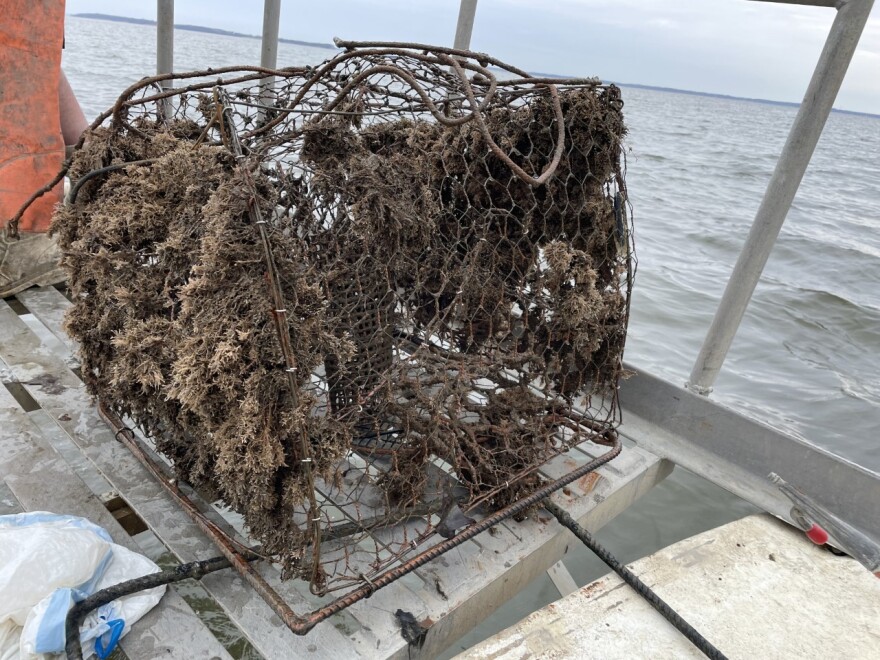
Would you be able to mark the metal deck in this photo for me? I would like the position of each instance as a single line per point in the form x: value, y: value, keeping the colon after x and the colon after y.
x: 56, y: 454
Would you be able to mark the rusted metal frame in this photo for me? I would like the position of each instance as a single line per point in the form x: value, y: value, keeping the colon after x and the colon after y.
x: 279, y: 314
x: 483, y: 58
x: 422, y: 56
x: 227, y: 546
x: 498, y: 151
x: 431, y: 54
x: 465, y: 535
x: 302, y: 624
x: 408, y: 78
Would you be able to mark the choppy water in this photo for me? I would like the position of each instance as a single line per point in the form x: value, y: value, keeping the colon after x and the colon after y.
x: 807, y: 355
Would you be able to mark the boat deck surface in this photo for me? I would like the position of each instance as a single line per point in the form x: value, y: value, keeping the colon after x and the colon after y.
x: 57, y: 455
x: 755, y: 588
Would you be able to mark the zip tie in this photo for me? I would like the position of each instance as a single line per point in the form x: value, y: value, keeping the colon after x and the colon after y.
x: 291, y: 369
x: 280, y: 311
x: 260, y: 222
x: 367, y: 580
x: 305, y: 460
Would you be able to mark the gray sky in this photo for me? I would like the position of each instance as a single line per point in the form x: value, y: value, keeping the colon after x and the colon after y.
x: 735, y: 47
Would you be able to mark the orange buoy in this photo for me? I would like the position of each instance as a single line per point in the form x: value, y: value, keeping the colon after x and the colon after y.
x: 31, y: 144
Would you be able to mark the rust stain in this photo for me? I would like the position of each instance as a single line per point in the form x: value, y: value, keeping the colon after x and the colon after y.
x: 591, y: 589
x: 588, y: 482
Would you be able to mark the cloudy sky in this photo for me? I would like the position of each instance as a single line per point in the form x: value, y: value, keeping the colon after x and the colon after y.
x: 736, y: 47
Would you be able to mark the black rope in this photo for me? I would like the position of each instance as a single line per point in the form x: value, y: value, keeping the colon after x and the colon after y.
x: 104, y: 170
x: 76, y: 614
x: 632, y: 580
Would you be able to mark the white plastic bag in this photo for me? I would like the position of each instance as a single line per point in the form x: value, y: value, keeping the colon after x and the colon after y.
x: 47, y: 563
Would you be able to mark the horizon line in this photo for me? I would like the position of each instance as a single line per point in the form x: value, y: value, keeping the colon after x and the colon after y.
x: 314, y: 44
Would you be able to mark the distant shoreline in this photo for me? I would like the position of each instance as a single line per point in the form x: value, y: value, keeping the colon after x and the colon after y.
x: 730, y: 97
x: 313, y: 44
x: 199, y: 28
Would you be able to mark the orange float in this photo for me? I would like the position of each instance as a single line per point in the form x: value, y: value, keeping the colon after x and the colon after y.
x: 31, y: 144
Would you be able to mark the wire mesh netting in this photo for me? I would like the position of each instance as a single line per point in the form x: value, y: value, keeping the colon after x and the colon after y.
x: 363, y: 303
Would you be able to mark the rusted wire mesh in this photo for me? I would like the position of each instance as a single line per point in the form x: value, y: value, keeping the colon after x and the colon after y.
x: 361, y: 307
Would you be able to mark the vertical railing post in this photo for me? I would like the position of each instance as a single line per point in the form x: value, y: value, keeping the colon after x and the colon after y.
x: 465, y: 26
x: 796, y: 154
x: 165, y: 46
x: 269, y: 51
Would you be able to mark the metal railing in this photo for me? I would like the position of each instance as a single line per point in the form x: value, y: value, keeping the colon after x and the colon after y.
x: 165, y: 43
x: 269, y: 46
x: 465, y: 26
x: 796, y: 154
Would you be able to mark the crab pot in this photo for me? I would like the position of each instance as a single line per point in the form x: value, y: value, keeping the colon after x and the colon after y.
x: 363, y: 317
